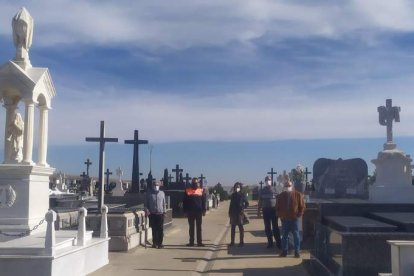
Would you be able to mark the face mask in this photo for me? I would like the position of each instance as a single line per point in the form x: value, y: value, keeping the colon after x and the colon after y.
x: 157, y: 188
x: 269, y: 182
x: 237, y: 189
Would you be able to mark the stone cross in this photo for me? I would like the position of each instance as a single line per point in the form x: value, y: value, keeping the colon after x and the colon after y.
x: 202, y: 180
x: 87, y: 163
x: 187, y: 179
x: 107, y: 174
x: 388, y: 114
x: 177, y: 171
x: 135, y: 161
x: 102, y: 140
x: 271, y: 175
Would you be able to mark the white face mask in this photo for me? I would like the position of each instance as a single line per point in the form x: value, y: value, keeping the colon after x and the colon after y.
x: 157, y: 188
x: 269, y: 182
x: 237, y: 189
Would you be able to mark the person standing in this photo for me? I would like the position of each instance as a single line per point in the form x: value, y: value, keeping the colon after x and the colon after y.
x: 267, y: 204
x: 290, y: 207
x: 194, y: 207
x: 238, y: 202
x: 155, y: 208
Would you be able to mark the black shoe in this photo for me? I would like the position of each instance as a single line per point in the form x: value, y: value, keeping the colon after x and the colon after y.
x: 297, y: 254
x: 283, y: 254
x: 269, y: 245
x: 189, y: 244
x: 200, y: 245
x: 160, y: 246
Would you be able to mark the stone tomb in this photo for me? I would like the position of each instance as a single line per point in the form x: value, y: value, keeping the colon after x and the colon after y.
x: 340, y: 178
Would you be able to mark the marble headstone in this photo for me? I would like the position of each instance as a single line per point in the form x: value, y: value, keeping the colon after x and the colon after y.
x: 340, y: 178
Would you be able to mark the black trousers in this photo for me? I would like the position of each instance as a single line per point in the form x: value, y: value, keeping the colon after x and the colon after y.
x: 157, y: 225
x: 271, y: 225
x: 197, y: 219
x: 233, y: 233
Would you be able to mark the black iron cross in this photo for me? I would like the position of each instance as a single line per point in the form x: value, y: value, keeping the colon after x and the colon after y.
x: 107, y: 174
x: 177, y: 171
x: 102, y: 140
x: 306, y: 174
x: 135, y: 161
x: 202, y: 180
x: 87, y: 163
x: 187, y: 179
x: 271, y: 175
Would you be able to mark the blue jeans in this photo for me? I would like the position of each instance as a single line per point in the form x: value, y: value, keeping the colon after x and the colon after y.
x: 290, y: 226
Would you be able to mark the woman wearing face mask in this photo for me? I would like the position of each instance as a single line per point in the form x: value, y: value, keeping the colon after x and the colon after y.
x: 155, y: 209
x: 238, y: 202
x: 267, y: 204
x: 290, y: 206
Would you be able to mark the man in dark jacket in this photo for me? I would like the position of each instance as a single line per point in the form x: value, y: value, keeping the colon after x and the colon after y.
x: 267, y: 204
x: 194, y: 206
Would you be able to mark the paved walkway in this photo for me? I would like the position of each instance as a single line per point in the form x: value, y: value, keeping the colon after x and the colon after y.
x: 214, y: 259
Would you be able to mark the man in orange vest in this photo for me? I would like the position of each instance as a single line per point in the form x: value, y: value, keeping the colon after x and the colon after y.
x: 194, y: 207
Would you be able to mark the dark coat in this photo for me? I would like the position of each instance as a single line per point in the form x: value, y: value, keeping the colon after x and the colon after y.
x: 194, y: 201
x: 238, y: 202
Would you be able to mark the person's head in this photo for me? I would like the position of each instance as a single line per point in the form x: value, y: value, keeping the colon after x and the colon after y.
x: 268, y: 180
x: 195, y: 183
x: 237, y: 187
x: 287, y: 185
x: 156, y: 185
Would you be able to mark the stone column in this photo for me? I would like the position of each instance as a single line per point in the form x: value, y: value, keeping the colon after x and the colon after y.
x: 28, y: 132
x: 43, y: 135
x: 10, y: 108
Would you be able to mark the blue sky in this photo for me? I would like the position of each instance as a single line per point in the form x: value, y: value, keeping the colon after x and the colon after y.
x: 225, y: 88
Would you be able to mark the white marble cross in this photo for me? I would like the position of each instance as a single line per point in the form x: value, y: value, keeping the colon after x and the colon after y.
x: 387, y: 114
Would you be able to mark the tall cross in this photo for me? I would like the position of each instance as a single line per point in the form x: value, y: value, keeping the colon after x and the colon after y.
x: 187, y: 179
x: 387, y: 114
x: 177, y: 171
x: 202, y: 180
x: 87, y: 163
x: 102, y: 140
x: 107, y: 173
x: 135, y: 161
x: 306, y: 174
x: 271, y: 175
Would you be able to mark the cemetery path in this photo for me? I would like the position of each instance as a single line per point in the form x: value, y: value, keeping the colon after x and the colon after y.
x: 214, y: 259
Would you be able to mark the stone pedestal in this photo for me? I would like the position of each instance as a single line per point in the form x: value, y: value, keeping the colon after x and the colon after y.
x: 24, y: 197
x: 118, y: 190
x: 393, y: 177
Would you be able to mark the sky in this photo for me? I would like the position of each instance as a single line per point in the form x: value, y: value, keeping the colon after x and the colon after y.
x: 224, y: 88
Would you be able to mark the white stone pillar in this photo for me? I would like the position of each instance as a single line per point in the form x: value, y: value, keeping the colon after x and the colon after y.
x: 28, y: 132
x: 10, y: 108
x: 81, y: 237
x: 104, y: 222
x: 50, y: 239
x: 43, y: 135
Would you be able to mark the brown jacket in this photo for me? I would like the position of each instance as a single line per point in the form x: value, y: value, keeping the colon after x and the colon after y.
x: 296, y: 205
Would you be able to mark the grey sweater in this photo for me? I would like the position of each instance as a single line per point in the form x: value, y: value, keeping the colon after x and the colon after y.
x: 155, y: 202
x: 268, y: 197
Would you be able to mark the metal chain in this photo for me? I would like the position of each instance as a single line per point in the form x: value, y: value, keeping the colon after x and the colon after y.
x: 27, y: 233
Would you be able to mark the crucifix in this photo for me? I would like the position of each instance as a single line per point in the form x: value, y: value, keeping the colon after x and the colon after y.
x: 102, y: 140
x: 87, y: 163
x: 135, y: 161
x: 187, y: 179
x: 388, y: 114
x: 202, y: 180
x: 271, y: 175
x: 107, y: 174
x: 177, y: 171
